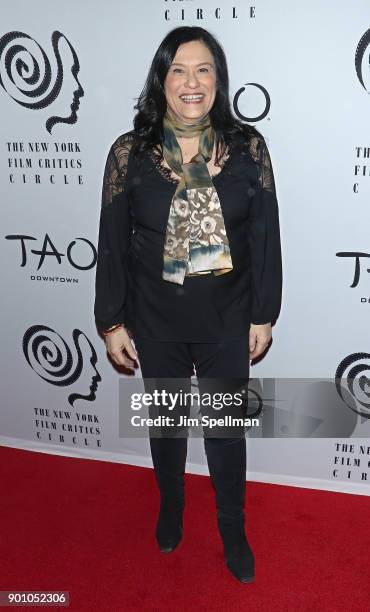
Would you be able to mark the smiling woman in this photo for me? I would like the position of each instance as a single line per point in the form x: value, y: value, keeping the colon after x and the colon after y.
x: 189, y: 264
x: 190, y: 90
x: 190, y: 84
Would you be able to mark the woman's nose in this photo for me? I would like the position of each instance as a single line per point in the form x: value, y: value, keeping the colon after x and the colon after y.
x: 192, y: 79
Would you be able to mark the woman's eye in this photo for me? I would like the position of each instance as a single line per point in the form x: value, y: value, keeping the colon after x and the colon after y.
x: 181, y: 70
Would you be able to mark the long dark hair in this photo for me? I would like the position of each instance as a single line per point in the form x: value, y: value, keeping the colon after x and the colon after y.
x: 152, y: 104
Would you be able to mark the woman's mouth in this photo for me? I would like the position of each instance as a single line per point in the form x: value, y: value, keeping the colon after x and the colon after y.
x: 192, y: 99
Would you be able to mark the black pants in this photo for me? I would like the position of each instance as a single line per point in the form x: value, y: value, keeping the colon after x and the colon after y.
x: 226, y: 365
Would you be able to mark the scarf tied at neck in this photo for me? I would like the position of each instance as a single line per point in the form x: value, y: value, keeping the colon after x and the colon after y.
x: 196, y: 241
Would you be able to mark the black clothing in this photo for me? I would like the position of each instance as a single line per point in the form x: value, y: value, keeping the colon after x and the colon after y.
x: 136, y: 198
x: 227, y: 466
x: 226, y: 456
x: 221, y: 367
x: 176, y: 359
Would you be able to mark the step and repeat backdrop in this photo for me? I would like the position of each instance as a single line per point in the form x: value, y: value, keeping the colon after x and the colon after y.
x: 70, y: 74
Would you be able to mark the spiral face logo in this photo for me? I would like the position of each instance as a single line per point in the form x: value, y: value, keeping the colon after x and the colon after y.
x: 362, y: 61
x: 51, y: 358
x: 352, y: 381
x: 26, y: 74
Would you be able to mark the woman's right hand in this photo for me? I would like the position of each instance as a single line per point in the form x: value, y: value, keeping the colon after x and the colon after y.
x: 119, y: 345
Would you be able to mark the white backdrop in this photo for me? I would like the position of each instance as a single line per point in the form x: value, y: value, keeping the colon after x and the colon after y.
x: 59, y: 391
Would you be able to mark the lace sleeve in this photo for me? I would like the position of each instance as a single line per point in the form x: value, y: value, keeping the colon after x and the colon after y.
x: 115, y: 172
x: 264, y: 240
x: 115, y: 230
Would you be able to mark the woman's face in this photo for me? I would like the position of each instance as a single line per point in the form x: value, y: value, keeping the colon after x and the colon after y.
x: 192, y: 73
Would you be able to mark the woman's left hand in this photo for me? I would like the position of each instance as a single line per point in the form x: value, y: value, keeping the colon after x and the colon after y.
x: 259, y: 337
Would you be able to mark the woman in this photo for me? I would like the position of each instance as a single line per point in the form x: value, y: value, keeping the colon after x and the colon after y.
x: 189, y: 262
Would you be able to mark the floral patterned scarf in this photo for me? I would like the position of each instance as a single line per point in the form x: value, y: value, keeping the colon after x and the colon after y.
x: 196, y: 241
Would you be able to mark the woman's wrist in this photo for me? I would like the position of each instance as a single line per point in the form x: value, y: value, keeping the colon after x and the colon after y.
x: 112, y: 329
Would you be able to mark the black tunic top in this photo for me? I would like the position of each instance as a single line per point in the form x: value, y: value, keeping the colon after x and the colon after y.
x: 129, y: 288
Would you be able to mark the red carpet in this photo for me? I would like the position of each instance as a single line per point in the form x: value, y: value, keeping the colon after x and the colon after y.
x: 88, y: 527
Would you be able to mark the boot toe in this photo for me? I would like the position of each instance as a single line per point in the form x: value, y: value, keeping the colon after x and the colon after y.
x: 242, y: 569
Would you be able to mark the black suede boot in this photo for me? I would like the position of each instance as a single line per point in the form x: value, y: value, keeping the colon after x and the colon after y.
x: 169, y: 527
x: 238, y: 554
x: 169, y: 458
x: 227, y: 468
